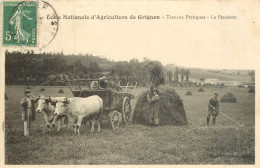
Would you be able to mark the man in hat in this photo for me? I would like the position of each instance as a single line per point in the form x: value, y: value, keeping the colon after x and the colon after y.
x: 154, y: 107
x: 28, y: 113
x: 103, y: 82
x: 213, y: 108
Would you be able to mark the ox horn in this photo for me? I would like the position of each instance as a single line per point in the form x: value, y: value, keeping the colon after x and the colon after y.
x: 35, y: 96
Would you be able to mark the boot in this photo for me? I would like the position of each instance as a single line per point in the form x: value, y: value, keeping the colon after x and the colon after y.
x: 214, y: 121
x: 207, y: 121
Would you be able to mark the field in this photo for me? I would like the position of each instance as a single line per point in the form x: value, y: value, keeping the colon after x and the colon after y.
x: 196, y: 143
x: 221, y: 75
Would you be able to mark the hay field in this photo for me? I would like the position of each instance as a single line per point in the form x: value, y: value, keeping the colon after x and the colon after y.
x: 196, y: 143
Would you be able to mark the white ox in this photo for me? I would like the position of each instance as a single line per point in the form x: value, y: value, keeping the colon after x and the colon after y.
x: 76, y: 108
x: 46, y: 107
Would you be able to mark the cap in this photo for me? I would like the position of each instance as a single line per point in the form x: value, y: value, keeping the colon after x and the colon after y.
x: 27, y: 91
x: 156, y: 90
x: 216, y: 94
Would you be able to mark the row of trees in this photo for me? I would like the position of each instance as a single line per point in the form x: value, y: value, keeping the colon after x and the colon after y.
x: 31, y: 68
x: 27, y: 67
x: 179, y: 74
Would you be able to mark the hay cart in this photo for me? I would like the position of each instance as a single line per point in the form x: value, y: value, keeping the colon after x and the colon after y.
x: 117, y: 103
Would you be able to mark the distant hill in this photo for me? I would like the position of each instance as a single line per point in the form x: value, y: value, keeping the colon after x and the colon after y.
x: 221, y: 75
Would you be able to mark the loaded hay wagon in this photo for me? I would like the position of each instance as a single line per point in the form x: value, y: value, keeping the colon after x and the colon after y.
x: 117, y: 103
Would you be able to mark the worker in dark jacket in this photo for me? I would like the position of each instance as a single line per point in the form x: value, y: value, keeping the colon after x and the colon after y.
x: 28, y: 112
x: 213, y: 108
x: 153, y: 100
x: 103, y: 82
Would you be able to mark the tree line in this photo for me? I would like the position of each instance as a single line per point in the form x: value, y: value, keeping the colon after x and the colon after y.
x: 36, y: 68
x: 179, y: 75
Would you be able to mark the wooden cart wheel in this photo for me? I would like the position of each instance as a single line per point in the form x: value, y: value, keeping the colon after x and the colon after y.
x: 114, y: 119
x: 126, y: 110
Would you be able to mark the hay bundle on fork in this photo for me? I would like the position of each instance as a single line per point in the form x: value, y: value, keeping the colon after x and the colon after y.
x: 171, y: 109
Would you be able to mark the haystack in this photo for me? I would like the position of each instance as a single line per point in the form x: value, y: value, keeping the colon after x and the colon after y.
x: 42, y: 89
x: 228, y: 97
x: 251, y: 90
x: 171, y: 109
x: 188, y: 93
x: 201, y: 90
x: 60, y: 91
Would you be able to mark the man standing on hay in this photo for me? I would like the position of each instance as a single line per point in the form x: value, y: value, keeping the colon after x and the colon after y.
x: 153, y: 100
x: 28, y: 113
x: 213, y: 108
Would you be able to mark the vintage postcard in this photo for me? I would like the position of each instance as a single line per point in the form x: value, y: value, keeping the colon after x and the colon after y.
x: 129, y: 83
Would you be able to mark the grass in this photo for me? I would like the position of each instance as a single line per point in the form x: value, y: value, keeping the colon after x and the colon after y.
x: 222, y: 75
x: 196, y: 143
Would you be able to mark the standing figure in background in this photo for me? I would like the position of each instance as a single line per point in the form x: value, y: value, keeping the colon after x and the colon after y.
x: 213, y: 108
x: 153, y: 100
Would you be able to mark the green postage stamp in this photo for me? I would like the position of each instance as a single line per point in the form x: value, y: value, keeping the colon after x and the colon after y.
x: 20, y: 23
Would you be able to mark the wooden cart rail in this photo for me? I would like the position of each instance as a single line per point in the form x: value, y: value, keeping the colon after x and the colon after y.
x: 116, y: 103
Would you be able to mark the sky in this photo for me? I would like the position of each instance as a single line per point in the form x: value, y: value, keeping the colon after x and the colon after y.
x: 206, y: 43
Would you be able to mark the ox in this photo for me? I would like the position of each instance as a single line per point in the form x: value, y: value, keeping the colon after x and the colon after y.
x: 46, y: 107
x: 90, y: 108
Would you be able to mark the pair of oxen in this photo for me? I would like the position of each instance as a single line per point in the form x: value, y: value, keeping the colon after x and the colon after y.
x: 75, y: 110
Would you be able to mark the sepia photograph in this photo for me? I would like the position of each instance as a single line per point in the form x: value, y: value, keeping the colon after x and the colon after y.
x: 138, y: 83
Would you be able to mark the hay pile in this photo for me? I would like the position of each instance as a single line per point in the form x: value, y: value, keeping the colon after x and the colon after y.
x: 188, y: 93
x: 228, y: 97
x: 171, y: 109
x: 251, y: 90
x: 60, y: 91
x: 201, y: 90
x: 42, y: 89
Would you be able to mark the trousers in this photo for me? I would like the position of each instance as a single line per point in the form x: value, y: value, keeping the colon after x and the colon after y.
x: 154, y: 114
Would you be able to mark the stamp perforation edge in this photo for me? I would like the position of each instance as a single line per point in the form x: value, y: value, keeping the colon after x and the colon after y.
x: 24, y: 48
